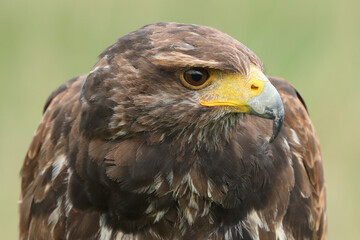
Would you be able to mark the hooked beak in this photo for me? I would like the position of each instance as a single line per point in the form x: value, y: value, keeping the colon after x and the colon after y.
x: 268, y: 104
x: 253, y: 94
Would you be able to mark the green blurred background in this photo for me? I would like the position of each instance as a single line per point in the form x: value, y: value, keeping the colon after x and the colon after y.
x: 313, y: 44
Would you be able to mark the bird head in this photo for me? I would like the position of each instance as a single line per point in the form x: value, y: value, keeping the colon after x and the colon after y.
x: 179, y: 80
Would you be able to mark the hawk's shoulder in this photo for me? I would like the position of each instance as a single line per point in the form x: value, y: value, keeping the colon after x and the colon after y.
x: 44, y: 166
x: 308, y: 195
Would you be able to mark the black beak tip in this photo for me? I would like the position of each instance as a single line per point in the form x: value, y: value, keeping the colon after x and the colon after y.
x: 277, y: 124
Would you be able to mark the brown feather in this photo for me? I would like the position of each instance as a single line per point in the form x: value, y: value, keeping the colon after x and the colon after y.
x: 126, y: 151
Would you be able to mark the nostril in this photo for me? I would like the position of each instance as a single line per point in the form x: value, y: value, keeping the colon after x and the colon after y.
x: 254, y: 87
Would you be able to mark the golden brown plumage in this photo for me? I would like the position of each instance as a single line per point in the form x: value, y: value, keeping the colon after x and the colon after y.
x: 136, y: 150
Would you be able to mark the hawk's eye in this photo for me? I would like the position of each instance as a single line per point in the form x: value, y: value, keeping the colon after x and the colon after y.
x: 195, y: 77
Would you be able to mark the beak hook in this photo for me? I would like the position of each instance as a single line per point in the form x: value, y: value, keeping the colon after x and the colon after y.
x: 277, y: 124
x: 268, y: 104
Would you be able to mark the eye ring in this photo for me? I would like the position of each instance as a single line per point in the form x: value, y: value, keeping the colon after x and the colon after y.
x: 195, y: 78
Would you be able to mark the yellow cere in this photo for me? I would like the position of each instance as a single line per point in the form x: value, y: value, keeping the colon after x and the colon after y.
x: 233, y: 90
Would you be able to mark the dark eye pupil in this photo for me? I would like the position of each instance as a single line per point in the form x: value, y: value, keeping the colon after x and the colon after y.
x: 196, y: 75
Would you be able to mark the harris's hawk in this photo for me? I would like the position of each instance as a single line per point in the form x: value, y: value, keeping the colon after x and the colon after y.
x: 175, y: 133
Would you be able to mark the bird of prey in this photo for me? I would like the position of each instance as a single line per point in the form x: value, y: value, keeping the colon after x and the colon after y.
x: 175, y: 133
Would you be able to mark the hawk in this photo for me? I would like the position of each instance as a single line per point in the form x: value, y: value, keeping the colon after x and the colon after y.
x: 175, y: 133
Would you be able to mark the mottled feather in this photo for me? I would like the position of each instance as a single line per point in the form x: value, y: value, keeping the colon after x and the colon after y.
x: 126, y: 151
